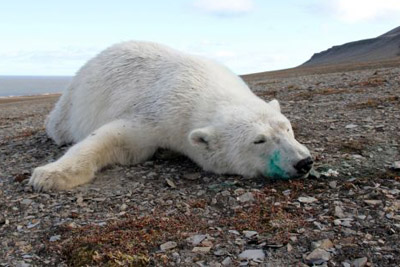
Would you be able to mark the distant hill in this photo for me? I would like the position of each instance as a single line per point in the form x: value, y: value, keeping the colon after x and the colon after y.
x: 381, y: 48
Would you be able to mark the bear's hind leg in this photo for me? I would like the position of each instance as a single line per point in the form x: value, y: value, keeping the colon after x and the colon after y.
x: 116, y: 142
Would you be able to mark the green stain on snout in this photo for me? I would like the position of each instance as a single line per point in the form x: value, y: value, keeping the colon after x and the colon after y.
x: 273, y: 170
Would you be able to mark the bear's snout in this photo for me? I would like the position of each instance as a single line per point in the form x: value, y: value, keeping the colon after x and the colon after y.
x: 304, y: 166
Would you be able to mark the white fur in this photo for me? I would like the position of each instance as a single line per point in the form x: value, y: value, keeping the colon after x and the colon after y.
x: 135, y: 97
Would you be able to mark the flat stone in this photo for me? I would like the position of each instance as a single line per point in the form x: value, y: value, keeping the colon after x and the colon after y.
x: 246, y: 197
x: 192, y: 176
x: 332, y: 184
x: 360, y: 262
x: 196, y: 239
x: 373, y: 202
x: 339, y: 212
x: 351, y: 126
x: 54, y: 238
x: 252, y: 254
x: 396, y: 165
x: 314, y: 174
x: 168, y: 245
x: 22, y: 264
x: 307, y: 200
x: 318, y: 256
x: 170, y: 183
x: 220, y: 252
x: 227, y: 261
x: 330, y: 173
x: 201, y: 249
x: 249, y: 234
x: 234, y: 232
x: 322, y: 244
x: 326, y: 244
x: 26, y: 201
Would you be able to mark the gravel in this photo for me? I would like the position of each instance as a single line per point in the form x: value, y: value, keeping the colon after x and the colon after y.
x: 167, y: 211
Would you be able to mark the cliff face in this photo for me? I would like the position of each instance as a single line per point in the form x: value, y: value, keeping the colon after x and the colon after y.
x: 384, y: 47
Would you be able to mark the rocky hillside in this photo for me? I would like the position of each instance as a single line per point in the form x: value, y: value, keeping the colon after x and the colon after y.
x: 384, y: 47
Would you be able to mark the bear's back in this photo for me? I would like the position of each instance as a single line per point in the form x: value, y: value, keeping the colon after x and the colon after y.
x: 147, y: 82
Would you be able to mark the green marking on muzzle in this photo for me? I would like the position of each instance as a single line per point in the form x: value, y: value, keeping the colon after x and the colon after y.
x: 273, y: 170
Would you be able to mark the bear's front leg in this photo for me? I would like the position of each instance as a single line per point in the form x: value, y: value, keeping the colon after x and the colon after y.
x: 116, y: 142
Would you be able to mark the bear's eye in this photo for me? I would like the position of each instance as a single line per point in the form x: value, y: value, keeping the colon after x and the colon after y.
x: 259, y: 141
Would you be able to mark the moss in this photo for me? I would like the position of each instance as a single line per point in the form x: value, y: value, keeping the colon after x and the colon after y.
x: 124, y: 242
x: 82, y: 256
x: 122, y: 259
x: 87, y: 255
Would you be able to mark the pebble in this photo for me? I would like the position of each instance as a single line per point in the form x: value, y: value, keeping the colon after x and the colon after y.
x: 225, y: 193
x: 22, y: 264
x: 55, y: 238
x: 396, y: 165
x: 314, y: 174
x: 246, y: 197
x: 26, y: 201
x: 333, y: 184
x: 252, y: 254
x: 220, y: 252
x: 196, y: 239
x: 322, y: 244
x: 337, y: 222
x: 318, y: 256
x: 330, y: 173
x: 249, y: 234
x: 192, y: 176
x: 123, y: 207
x: 32, y: 224
x: 360, y: 262
x: 307, y: 200
x: 201, y: 249
x: 170, y: 183
x: 339, y: 212
x: 234, y: 232
x: 373, y: 202
x: 227, y: 261
x: 168, y: 245
x: 351, y: 126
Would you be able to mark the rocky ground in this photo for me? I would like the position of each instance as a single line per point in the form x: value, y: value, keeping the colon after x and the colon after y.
x: 168, y: 212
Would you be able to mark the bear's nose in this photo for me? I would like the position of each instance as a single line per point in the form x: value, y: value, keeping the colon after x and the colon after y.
x: 304, y: 165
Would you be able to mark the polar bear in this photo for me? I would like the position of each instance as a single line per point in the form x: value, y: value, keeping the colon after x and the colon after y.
x: 135, y: 97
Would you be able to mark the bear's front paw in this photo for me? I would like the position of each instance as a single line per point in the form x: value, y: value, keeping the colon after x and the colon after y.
x: 49, y: 177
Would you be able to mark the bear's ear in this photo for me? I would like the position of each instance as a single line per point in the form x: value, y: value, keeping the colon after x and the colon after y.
x: 202, y: 137
x: 275, y: 104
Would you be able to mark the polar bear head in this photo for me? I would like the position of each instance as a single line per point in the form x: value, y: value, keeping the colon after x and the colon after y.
x: 252, y: 140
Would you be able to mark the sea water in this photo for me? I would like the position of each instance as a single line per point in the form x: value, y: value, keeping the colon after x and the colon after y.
x: 32, y: 85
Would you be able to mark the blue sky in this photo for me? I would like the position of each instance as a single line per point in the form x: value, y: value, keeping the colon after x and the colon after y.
x: 56, y: 37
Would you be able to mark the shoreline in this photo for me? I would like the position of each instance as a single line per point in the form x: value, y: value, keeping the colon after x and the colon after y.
x: 13, y: 99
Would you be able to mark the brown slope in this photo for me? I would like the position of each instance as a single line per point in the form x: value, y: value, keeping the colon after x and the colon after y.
x: 383, y: 47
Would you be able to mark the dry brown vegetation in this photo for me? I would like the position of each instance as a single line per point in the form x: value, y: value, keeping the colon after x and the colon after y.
x: 375, y: 102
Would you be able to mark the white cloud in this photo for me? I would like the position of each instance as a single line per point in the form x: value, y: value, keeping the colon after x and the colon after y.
x: 364, y: 10
x: 224, y: 7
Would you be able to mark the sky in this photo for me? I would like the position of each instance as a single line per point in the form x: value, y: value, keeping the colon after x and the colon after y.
x: 47, y: 37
